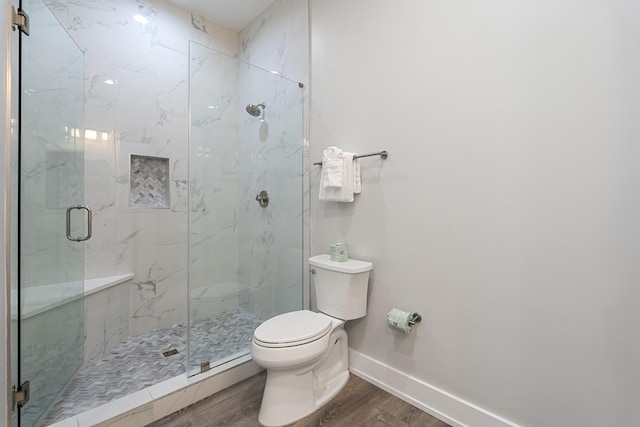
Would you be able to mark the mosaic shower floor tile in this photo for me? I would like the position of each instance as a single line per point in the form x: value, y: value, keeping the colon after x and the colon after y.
x: 138, y: 361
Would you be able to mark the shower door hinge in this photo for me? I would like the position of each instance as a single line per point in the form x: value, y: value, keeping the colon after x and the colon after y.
x: 21, y: 395
x: 20, y: 21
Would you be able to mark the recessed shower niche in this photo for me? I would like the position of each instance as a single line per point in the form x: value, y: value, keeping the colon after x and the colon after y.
x: 149, y: 182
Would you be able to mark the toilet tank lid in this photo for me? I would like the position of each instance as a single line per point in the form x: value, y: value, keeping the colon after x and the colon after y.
x: 351, y: 266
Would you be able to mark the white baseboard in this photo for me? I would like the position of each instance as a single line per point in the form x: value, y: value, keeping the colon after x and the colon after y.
x: 453, y: 410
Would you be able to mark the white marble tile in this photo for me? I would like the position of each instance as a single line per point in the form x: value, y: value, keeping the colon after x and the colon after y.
x: 171, y: 278
x: 212, y: 298
x: 168, y: 387
x: 136, y: 418
x: 69, y: 422
x: 282, y: 29
x: 272, y: 163
x: 99, y: 251
x: 106, y: 321
x: 214, y: 36
x: 175, y: 401
x: 142, y: 306
x: 59, y: 9
x: 277, y: 39
x: 136, y: 125
x: 172, y: 86
x: 179, y: 187
x: 173, y: 229
x: 132, y: 411
x: 135, y: 243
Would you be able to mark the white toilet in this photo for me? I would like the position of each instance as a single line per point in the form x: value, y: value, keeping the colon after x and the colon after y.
x: 305, y: 353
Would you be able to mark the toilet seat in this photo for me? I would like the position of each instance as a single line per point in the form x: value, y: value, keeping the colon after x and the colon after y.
x: 292, y: 329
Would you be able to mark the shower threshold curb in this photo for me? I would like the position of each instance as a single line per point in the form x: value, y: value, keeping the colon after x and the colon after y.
x: 156, y: 402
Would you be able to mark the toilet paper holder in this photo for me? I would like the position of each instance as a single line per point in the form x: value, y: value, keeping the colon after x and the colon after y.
x: 415, y: 318
x: 402, y: 321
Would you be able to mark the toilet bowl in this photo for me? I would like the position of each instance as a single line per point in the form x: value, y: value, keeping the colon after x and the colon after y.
x: 302, y: 374
x: 306, y: 353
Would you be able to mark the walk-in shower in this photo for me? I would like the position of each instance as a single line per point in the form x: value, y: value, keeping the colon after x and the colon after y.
x: 153, y: 135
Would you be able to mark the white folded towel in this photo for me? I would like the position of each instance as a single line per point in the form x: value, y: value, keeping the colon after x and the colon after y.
x: 357, y: 179
x: 332, y: 165
x: 350, y: 181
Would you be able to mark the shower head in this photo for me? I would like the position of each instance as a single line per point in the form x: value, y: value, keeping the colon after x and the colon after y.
x: 254, y: 110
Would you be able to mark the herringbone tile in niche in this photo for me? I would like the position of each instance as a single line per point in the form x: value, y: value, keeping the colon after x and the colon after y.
x: 149, y: 182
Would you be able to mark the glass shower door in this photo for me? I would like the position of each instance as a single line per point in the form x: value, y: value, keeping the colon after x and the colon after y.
x: 52, y: 220
x: 245, y: 203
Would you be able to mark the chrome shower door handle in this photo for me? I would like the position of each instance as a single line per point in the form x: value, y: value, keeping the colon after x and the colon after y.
x: 89, y: 223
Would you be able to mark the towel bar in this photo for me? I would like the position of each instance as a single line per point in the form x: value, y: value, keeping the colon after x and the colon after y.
x: 383, y: 155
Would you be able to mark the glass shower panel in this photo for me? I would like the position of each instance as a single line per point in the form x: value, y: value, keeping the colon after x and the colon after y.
x: 270, y: 158
x: 245, y: 260
x: 51, y: 180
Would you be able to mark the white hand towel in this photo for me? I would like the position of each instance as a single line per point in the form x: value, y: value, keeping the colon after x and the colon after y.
x: 357, y: 179
x: 344, y: 193
x: 332, y: 165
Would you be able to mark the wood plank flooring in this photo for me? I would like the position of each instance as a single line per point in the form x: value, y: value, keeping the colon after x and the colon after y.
x: 358, y: 404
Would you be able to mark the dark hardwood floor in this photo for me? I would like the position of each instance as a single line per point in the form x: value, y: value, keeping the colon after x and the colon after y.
x: 358, y: 404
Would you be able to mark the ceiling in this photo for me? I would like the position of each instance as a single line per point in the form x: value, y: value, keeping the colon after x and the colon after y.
x: 234, y: 14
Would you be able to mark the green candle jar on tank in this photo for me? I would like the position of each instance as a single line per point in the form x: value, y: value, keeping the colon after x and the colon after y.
x: 339, y: 252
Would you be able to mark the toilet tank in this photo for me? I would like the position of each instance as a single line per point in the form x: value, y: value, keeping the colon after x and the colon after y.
x: 341, y: 287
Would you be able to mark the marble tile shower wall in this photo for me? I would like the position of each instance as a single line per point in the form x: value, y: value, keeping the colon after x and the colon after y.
x: 136, y: 101
x: 260, y: 244
x: 276, y: 161
x: 270, y: 239
x: 278, y: 40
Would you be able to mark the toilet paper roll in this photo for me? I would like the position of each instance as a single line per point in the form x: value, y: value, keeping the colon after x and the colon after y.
x: 401, y: 320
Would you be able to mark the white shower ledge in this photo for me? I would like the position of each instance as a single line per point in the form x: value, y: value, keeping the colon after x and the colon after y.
x: 91, y: 286
x: 39, y: 299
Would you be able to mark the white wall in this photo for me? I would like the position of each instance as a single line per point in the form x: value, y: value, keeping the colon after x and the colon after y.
x: 507, y: 212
